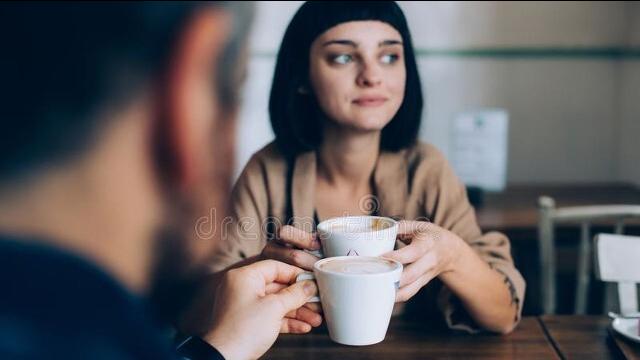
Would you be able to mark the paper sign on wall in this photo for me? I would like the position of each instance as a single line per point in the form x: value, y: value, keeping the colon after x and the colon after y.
x: 479, y: 148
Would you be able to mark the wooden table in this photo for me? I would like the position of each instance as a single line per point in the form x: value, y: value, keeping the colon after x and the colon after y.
x: 547, y: 337
x: 517, y: 207
x: 588, y: 337
x: 412, y: 341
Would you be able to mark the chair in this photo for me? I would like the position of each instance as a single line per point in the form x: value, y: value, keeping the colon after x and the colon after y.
x: 617, y: 260
x: 549, y: 216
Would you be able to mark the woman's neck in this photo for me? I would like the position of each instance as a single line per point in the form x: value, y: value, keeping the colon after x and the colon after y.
x: 348, y: 158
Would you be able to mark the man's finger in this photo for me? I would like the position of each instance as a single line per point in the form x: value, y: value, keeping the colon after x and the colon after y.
x: 271, y: 271
x: 294, y: 296
x: 274, y: 288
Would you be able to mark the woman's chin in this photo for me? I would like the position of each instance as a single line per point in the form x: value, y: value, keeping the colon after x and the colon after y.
x: 364, y: 124
x: 369, y: 125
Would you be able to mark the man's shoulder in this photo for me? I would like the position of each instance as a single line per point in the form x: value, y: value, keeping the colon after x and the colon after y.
x: 55, y: 304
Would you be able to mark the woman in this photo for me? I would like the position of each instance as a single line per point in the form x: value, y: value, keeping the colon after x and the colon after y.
x: 345, y: 107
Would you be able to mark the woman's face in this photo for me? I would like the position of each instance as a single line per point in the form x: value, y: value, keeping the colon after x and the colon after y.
x: 357, y: 73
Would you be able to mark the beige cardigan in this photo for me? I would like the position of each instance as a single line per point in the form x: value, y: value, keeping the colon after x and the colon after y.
x: 414, y: 183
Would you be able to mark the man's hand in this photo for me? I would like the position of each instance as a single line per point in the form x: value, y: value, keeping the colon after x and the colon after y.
x: 256, y: 302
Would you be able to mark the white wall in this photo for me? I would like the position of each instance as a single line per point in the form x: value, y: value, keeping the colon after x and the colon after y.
x: 453, y: 24
x: 254, y: 129
x: 629, y: 157
x: 561, y: 112
x: 566, y: 122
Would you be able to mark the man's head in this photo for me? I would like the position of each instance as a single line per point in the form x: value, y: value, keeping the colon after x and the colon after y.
x: 137, y: 97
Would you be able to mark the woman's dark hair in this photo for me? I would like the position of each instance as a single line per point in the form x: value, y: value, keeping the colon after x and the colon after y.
x: 295, y: 117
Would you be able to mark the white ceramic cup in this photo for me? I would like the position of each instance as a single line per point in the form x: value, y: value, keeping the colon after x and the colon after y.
x: 357, y: 236
x: 357, y: 306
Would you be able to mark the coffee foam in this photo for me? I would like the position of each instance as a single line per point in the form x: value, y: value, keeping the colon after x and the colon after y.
x: 353, y: 226
x: 358, y: 266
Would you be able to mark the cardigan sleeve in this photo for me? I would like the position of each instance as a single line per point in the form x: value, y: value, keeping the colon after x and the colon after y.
x: 243, y: 234
x: 447, y: 203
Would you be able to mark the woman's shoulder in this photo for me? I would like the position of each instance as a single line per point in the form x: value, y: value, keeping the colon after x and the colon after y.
x: 428, y: 167
x: 267, y: 156
x: 422, y: 154
x: 264, y: 163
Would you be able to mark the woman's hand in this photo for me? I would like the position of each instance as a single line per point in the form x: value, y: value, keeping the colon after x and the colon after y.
x: 431, y: 251
x: 289, y: 247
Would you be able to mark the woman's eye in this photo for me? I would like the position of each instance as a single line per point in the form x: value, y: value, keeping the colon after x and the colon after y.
x: 342, y: 59
x: 389, y: 58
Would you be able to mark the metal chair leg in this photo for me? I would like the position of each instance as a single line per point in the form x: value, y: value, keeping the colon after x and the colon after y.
x: 583, y: 274
x: 547, y: 256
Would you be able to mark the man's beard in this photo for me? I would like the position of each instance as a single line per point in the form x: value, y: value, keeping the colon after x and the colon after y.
x: 175, y: 277
x: 177, y: 274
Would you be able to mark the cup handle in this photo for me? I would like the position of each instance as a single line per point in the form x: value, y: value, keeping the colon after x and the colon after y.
x: 308, y: 276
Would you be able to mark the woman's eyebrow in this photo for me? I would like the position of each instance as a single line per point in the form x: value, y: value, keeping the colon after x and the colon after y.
x: 355, y: 45
x: 341, y: 42
x: 389, y: 43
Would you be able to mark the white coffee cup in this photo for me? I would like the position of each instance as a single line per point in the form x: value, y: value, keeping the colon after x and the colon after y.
x: 357, y: 305
x: 357, y: 236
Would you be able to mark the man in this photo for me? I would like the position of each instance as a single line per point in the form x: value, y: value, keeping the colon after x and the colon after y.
x: 116, y: 122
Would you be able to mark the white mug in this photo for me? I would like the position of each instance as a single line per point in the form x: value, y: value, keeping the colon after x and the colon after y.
x: 357, y: 236
x: 357, y: 307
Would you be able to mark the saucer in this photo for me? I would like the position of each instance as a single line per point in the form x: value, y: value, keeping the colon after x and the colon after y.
x: 627, y: 328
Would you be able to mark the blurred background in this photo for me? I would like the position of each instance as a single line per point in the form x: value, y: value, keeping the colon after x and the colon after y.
x: 565, y: 74
x: 564, y: 71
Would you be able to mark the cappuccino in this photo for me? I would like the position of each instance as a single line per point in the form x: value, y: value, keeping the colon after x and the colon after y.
x: 359, y: 266
x: 357, y: 225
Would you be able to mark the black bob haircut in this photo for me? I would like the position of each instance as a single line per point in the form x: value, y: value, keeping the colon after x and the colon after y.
x: 295, y: 118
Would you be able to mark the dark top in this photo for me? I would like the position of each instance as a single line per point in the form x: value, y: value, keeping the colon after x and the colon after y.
x: 56, y: 305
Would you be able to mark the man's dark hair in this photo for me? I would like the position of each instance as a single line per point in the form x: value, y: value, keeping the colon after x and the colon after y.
x: 297, y: 118
x: 63, y: 64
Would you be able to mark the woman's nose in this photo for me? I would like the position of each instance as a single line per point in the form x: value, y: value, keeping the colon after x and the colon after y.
x: 370, y: 75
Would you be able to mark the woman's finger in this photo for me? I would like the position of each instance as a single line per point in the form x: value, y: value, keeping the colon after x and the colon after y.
x: 298, y: 238
x: 407, y: 292
x: 293, y: 326
x: 410, y: 227
x: 314, y: 306
x: 305, y: 315
x: 412, y: 252
x: 414, y: 271
x: 290, y: 256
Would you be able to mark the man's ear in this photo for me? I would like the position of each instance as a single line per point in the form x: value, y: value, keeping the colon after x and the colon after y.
x: 188, y: 103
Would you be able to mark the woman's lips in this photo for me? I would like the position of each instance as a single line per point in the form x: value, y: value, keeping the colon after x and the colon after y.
x: 370, y: 101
